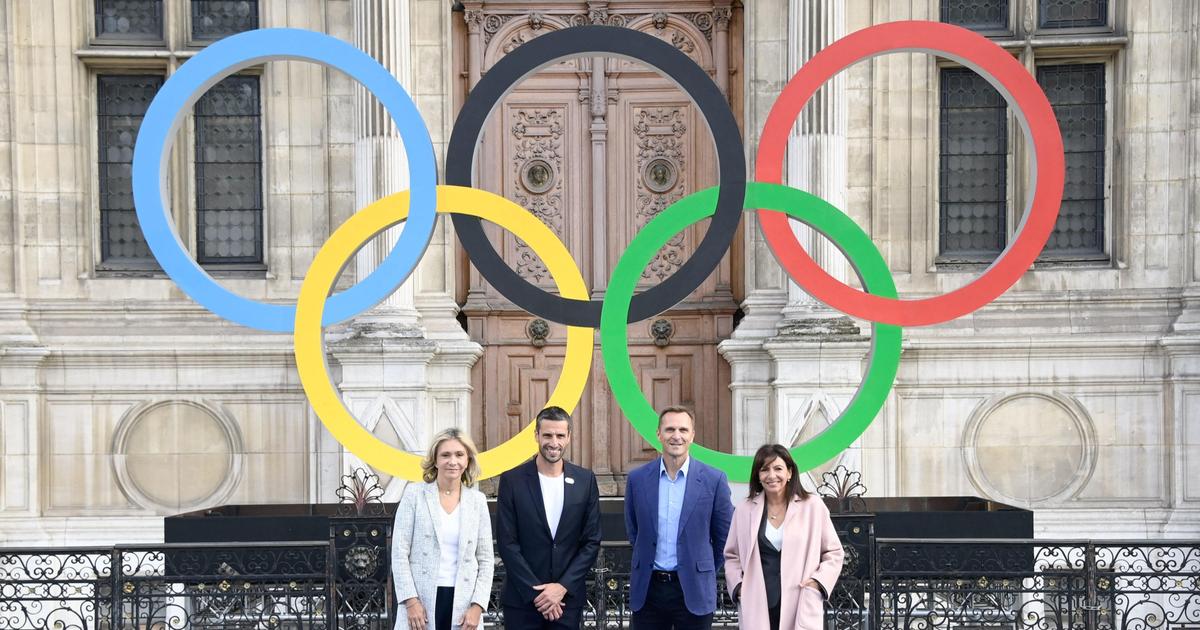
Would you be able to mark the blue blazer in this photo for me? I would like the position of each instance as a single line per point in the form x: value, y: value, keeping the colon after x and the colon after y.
x: 703, y: 527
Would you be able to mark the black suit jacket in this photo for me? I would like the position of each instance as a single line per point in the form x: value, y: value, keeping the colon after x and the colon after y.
x: 523, y: 539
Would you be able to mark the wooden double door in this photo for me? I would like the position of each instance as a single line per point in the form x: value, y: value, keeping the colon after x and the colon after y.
x: 596, y: 147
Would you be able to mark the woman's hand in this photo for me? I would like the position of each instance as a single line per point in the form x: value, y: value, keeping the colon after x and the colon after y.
x: 814, y: 585
x: 416, y: 613
x: 471, y: 619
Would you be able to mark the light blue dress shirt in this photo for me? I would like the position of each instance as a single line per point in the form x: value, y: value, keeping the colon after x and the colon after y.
x: 670, y: 503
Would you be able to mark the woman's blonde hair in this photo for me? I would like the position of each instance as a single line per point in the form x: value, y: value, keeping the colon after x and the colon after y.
x: 429, y: 465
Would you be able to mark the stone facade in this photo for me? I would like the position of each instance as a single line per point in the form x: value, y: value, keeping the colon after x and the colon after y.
x: 1076, y: 393
x: 121, y: 399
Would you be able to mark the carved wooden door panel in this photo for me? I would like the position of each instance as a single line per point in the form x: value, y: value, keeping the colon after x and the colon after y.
x: 596, y: 148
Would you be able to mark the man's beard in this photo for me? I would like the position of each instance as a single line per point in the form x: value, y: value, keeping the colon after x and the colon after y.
x: 551, y: 456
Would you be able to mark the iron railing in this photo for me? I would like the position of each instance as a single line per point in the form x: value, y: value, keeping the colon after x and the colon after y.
x: 886, y: 584
x: 161, y: 587
x: 1037, y: 584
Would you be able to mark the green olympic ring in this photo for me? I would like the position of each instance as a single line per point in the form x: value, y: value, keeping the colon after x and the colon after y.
x: 821, y: 216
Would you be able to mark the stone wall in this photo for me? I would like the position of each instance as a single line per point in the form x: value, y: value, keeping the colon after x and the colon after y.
x: 1073, y: 393
x: 1076, y: 393
x: 120, y: 398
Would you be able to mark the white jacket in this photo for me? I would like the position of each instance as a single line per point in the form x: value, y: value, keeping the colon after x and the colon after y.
x: 416, y: 552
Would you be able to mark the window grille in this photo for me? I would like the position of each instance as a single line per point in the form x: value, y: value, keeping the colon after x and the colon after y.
x: 214, y: 19
x: 129, y: 20
x: 1072, y: 13
x: 229, y: 173
x: 973, y: 166
x: 122, y: 102
x: 978, y: 15
x: 1076, y: 92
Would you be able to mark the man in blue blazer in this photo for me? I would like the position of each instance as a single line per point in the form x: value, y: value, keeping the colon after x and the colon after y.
x: 677, y: 514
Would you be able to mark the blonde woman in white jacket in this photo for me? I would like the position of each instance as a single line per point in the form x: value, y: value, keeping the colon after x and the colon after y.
x: 442, y: 560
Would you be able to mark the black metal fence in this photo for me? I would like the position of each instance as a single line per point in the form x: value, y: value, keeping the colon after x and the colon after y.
x: 886, y: 584
x: 1037, y: 584
x: 284, y: 585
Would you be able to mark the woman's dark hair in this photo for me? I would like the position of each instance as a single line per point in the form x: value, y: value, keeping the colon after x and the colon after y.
x: 766, y: 454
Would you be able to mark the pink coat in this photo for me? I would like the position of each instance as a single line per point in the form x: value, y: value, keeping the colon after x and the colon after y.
x: 811, y: 549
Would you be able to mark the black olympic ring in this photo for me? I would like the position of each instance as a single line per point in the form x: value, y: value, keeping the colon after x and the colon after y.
x: 551, y: 47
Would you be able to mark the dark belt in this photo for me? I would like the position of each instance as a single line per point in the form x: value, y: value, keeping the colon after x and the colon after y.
x: 664, y: 576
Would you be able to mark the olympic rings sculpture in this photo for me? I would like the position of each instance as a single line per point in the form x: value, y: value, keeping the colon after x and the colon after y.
x: 723, y: 205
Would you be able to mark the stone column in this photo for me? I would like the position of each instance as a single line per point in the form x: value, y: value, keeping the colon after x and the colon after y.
x: 402, y: 382
x: 817, y: 148
x: 432, y: 88
x: 381, y: 29
x: 751, y: 368
x: 763, y: 75
x: 794, y: 362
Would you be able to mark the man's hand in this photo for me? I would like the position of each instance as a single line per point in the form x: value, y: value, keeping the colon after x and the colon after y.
x: 549, y: 601
x: 416, y: 613
x: 471, y: 619
x: 553, y: 613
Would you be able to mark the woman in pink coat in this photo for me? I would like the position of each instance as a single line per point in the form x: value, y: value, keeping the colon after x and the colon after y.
x: 782, y: 556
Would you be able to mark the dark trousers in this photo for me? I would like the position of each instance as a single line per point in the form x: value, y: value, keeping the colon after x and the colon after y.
x: 443, y: 608
x: 526, y: 618
x: 665, y: 608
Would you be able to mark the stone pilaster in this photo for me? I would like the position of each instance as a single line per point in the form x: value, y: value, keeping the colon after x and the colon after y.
x: 381, y: 29
x: 751, y: 368
x: 21, y: 359
x: 764, y: 75
x: 782, y: 35
x: 817, y: 149
x: 1182, y: 345
x: 432, y: 87
x: 1188, y: 321
x: 404, y: 368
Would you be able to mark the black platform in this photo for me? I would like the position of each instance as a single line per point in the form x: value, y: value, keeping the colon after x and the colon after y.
x: 893, y: 517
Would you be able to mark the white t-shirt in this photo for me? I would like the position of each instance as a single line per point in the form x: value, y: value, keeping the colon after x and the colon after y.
x: 552, y: 499
x: 774, y: 536
x: 450, y: 525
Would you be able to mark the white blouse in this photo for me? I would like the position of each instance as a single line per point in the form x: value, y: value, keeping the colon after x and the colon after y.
x: 449, y: 527
x: 774, y: 536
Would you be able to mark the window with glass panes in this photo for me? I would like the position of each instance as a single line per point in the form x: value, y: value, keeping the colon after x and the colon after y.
x: 979, y: 15
x: 973, y: 140
x: 976, y: 205
x: 129, y: 20
x: 226, y: 135
x: 214, y: 19
x: 229, y: 173
x: 1076, y: 91
x: 121, y: 102
x: 1072, y: 13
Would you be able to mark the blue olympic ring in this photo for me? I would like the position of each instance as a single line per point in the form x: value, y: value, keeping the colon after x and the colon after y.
x: 189, y: 83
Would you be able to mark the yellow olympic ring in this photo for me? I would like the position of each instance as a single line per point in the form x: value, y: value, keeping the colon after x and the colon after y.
x: 328, y: 264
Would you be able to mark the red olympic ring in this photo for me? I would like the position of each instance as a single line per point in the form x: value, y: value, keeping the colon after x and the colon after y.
x: 1032, y: 110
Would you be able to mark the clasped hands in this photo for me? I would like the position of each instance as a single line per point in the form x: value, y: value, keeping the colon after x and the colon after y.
x: 549, y: 600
